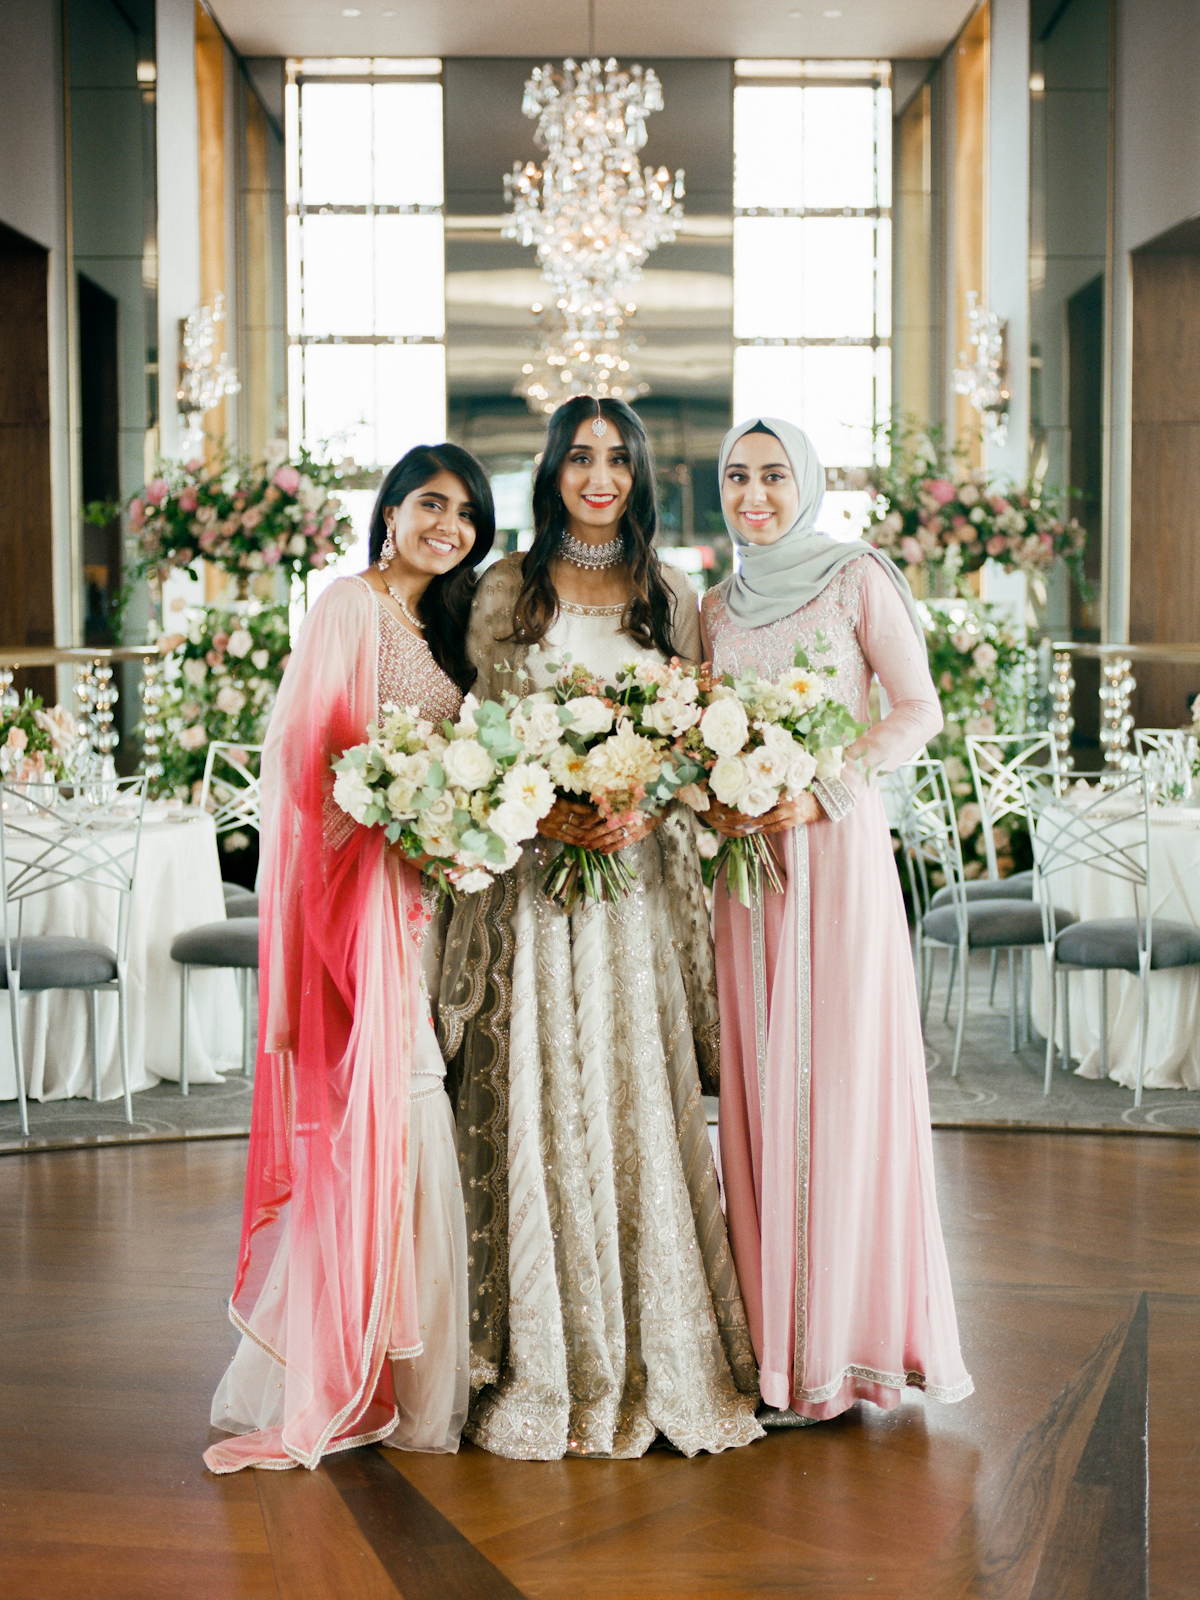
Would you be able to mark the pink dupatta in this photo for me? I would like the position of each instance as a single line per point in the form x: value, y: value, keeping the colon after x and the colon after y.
x: 324, y: 1281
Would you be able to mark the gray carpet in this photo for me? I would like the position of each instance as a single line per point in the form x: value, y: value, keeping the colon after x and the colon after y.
x: 993, y: 1089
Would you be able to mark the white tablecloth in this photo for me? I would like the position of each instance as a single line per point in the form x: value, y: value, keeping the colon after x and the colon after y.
x: 178, y: 886
x: 1173, y: 1043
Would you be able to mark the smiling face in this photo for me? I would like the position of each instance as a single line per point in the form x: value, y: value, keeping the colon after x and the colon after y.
x: 595, y: 481
x: 433, y: 528
x: 759, y: 491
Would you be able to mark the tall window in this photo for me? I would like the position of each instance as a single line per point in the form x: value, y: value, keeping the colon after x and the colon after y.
x: 366, y: 256
x: 812, y: 250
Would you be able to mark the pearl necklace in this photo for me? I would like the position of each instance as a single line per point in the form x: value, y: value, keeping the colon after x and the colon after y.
x: 399, y: 599
x: 593, y: 556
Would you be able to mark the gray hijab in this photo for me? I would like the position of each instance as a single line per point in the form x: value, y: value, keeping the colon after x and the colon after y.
x: 776, y: 579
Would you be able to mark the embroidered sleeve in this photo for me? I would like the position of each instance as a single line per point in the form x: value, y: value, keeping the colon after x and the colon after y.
x: 835, y: 797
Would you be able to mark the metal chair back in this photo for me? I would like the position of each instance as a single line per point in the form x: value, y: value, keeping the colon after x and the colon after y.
x: 996, y: 761
x: 1103, y: 824
x: 230, y: 787
x: 61, y: 833
x: 928, y: 830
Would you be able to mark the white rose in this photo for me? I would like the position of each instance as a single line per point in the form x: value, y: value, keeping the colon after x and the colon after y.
x: 473, y: 882
x: 692, y: 795
x: 512, y: 822
x: 661, y: 717
x: 539, y: 729
x: 195, y: 672
x: 828, y: 763
x: 707, y: 844
x: 240, y: 643
x: 261, y: 659
x: 724, y: 727
x: 467, y: 764
x: 352, y: 793
x: 758, y: 799
x: 801, y: 771
x: 529, y: 787
x: 727, y: 780
x: 589, y: 716
x: 192, y: 738
x: 230, y: 701
x: 400, y: 796
x: 766, y: 765
x: 297, y: 545
x: 466, y: 717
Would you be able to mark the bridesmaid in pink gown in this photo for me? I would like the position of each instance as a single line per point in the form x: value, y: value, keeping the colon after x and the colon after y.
x: 826, y: 1149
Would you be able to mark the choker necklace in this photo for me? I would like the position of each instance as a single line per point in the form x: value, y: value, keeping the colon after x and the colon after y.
x: 594, y: 556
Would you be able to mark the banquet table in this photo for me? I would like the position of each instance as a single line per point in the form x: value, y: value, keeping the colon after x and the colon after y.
x: 1173, y: 1042
x: 177, y: 886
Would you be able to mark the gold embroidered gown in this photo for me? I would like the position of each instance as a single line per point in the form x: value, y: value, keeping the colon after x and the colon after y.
x: 604, y: 1302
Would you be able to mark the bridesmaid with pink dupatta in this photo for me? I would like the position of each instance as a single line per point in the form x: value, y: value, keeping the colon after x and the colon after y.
x: 351, y: 1287
x: 826, y: 1150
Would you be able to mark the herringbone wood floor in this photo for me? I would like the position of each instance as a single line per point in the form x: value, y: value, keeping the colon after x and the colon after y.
x: 1078, y: 1280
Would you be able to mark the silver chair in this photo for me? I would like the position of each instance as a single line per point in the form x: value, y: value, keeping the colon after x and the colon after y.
x: 230, y: 789
x: 1107, y: 829
x: 929, y: 836
x: 57, y: 834
x: 232, y: 943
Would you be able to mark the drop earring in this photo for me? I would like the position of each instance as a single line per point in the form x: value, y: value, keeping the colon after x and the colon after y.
x: 388, y: 552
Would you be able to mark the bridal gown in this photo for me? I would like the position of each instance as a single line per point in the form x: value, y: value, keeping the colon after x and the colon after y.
x: 826, y: 1150
x: 605, y: 1306
x: 430, y: 1377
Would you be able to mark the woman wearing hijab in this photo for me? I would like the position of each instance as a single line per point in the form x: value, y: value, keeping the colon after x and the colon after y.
x: 604, y: 1304
x: 826, y: 1151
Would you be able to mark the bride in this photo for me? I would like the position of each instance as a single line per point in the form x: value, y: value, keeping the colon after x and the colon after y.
x: 604, y: 1303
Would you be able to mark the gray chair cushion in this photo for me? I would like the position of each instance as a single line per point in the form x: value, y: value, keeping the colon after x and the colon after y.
x: 231, y: 891
x: 244, y: 904
x: 233, y: 943
x: 1018, y: 887
x: 993, y: 924
x: 1112, y: 942
x: 52, y: 962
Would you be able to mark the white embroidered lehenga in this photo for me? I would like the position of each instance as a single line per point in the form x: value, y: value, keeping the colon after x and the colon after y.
x: 604, y: 1302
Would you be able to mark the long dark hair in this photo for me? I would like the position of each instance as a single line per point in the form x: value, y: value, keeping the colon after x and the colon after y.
x: 446, y: 604
x: 649, y: 614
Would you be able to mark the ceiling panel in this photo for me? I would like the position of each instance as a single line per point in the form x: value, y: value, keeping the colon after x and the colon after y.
x: 877, y: 28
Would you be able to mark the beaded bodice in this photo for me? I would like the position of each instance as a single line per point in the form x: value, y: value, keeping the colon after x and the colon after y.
x: 407, y: 673
x: 827, y: 628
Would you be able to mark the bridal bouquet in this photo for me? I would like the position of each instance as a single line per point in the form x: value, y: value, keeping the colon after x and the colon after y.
x: 462, y: 798
x: 618, y: 746
x: 760, y: 742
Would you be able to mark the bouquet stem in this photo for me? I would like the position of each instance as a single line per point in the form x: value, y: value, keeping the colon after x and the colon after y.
x: 577, y: 874
x: 748, y: 863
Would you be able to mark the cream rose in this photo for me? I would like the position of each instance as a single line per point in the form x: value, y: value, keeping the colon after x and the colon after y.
x: 727, y: 780
x: 538, y: 729
x: 829, y: 763
x: 801, y: 771
x: 240, y: 643
x: 473, y: 882
x: 692, y: 795
x: 195, y: 671
x: 589, y: 716
x: 758, y: 799
x: 512, y: 822
x: 467, y: 764
x: 230, y: 701
x: 350, y: 791
x: 724, y: 727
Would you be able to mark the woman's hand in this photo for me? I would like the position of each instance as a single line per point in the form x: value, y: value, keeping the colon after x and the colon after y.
x: 575, y: 822
x: 787, y: 814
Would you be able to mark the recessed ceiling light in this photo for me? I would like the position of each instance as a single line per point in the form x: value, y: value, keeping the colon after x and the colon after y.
x: 831, y: 13
x: 351, y: 12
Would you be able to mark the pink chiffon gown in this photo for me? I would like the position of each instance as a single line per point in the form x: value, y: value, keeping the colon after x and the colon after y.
x: 826, y: 1149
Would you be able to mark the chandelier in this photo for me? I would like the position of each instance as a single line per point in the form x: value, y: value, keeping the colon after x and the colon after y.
x: 982, y: 382
x: 206, y: 378
x: 594, y: 215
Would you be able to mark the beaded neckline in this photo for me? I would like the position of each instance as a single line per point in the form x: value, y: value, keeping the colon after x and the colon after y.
x: 395, y: 621
x: 592, y: 611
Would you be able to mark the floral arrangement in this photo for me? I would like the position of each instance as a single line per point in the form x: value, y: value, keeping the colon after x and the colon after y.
x: 931, y: 510
x: 221, y: 675
x: 460, y: 800
x: 759, y: 741
x: 978, y: 669
x: 621, y: 747
x: 36, y: 745
x: 275, y: 516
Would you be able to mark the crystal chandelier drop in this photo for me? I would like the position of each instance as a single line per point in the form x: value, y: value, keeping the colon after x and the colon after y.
x: 594, y: 215
x: 207, y: 377
x: 982, y: 382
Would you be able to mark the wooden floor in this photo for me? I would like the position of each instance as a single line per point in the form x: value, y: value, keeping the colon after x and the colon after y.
x: 1076, y: 1261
